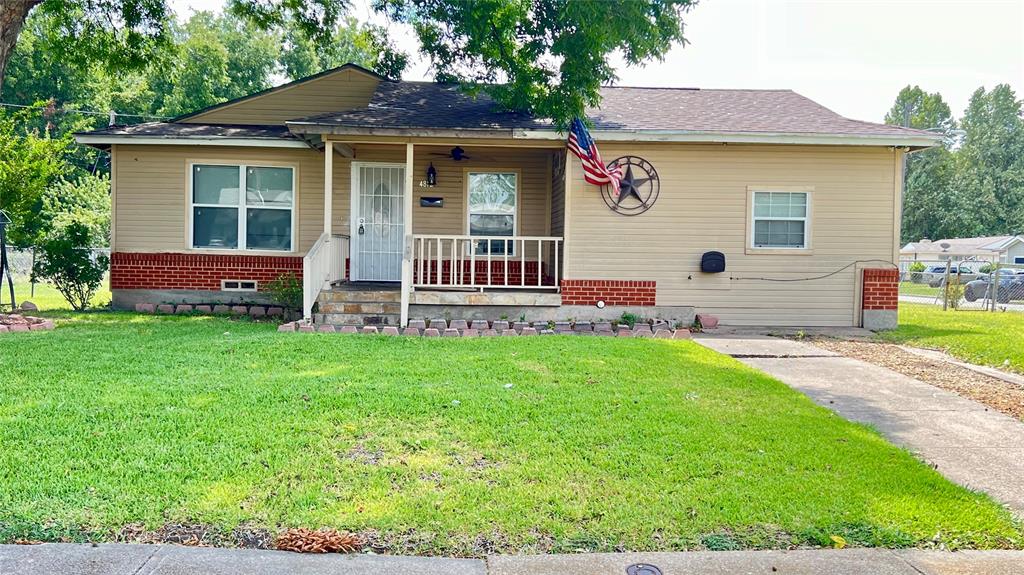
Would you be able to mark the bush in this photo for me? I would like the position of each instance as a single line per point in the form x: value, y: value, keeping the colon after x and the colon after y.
x: 987, y: 269
x: 286, y: 289
x: 917, y: 267
x: 65, y: 259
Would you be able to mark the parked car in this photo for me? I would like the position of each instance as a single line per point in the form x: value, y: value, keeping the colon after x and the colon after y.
x: 936, y: 275
x: 1011, y: 287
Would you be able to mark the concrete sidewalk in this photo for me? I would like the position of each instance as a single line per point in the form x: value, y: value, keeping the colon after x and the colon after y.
x: 114, y: 559
x: 967, y: 442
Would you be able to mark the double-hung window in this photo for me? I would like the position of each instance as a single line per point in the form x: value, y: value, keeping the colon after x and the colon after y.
x: 493, y: 199
x: 242, y: 207
x: 780, y: 220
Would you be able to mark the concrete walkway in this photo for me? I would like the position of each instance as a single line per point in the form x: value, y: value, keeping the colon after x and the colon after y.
x: 967, y: 442
x: 68, y: 559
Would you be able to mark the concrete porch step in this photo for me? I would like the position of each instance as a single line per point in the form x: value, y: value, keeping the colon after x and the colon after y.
x: 360, y: 296
x: 388, y: 308
x: 358, y: 319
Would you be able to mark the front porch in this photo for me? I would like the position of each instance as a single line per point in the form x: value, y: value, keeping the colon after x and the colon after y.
x: 435, y: 227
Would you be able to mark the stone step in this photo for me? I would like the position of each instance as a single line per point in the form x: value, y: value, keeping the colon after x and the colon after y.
x: 342, y: 295
x: 357, y: 319
x: 374, y: 308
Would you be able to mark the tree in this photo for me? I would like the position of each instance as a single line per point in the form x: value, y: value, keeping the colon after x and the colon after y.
x: 549, y: 57
x: 126, y: 34
x: 932, y: 207
x: 30, y: 162
x: 85, y: 200
x: 351, y: 42
x: 991, y: 160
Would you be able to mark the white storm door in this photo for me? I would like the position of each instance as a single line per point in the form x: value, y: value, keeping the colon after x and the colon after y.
x: 378, y: 222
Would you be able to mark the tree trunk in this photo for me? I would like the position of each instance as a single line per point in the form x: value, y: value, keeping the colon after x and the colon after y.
x: 12, y: 18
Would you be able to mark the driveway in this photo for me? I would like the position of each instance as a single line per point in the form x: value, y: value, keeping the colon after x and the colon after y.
x: 967, y: 442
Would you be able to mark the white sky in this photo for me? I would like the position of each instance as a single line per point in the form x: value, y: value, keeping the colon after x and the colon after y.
x: 852, y: 56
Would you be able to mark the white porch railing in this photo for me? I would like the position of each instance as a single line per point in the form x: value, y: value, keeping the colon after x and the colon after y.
x: 516, y: 262
x: 324, y: 263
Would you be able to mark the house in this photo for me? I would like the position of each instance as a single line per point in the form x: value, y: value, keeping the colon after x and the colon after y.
x: 1003, y: 249
x: 397, y: 199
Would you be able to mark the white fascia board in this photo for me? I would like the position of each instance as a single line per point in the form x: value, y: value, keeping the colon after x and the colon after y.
x: 739, y: 138
x: 150, y: 140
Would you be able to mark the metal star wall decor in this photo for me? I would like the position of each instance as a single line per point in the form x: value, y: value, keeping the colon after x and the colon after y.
x: 638, y: 189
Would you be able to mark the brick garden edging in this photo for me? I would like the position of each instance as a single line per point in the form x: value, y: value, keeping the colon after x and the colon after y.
x: 462, y: 328
x: 255, y: 311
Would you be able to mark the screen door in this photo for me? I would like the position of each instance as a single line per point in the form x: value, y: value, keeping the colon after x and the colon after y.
x: 378, y: 226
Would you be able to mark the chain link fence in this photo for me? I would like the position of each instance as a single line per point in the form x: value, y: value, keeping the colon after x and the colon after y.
x: 20, y: 262
x: 963, y: 285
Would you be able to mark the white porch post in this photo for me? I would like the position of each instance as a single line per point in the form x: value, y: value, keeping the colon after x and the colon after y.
x: 407, y: 249
x: 328, y: 185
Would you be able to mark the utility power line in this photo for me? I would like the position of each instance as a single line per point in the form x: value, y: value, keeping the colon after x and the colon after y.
x: 111, y: 114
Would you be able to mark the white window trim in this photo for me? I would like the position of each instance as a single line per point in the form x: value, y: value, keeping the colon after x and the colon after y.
x: 242, y: 231
x: 519, y: 197
x: 806, y: 249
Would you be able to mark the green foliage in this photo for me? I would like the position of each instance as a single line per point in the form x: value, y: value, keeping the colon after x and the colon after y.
x: 85, y: 200
x: 30, y: 162
x: 66, y: 260
x: 351, y: 42
x: 629, y: 319
x: 286, y: 289
x: 975, y: 189
x: 550, y: 57
x: 987, y: 269
x: 917, y: 267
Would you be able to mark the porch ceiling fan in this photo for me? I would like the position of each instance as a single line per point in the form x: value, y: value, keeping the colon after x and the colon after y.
x: 457, y: 154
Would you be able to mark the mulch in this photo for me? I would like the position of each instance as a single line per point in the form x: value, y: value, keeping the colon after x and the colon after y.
x: 1000, y: 395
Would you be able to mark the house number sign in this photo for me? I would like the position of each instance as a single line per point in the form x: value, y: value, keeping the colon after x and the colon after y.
x: 638, y: 189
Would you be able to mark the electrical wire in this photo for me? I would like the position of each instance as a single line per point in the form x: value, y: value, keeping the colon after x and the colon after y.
x: 93, y: 112
x: 821, y: 277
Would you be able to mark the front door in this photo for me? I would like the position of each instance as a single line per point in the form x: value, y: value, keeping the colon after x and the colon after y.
x: 378, y: 224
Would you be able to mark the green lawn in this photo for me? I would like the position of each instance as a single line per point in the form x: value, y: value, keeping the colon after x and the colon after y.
x: 986, y: 338
x: 910, y: 288
x: 445, y: 446
x: 46, y: 296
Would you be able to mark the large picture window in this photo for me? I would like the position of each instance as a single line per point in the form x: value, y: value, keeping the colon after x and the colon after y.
x: 223, y: 217
x: 780, y: 220
x: 493, y: 201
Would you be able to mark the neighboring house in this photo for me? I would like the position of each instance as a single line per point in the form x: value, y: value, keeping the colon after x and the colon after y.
x: 1004, y: 249
x: 421, y: 178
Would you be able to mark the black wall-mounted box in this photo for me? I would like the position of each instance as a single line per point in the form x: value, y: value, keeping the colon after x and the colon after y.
x: 431, y: 202
x: 712, y: 262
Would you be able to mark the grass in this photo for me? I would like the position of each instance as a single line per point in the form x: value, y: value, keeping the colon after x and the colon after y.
x: 910, y: 288
x: 46, y: 296
x: 441, y: 446
x: 986, y: 338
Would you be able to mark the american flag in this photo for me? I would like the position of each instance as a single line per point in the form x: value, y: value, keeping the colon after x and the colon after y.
x: 594, y: 170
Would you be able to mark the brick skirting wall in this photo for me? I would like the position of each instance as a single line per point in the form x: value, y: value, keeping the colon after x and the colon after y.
x: 515, y: 272
x: 612, y: 292
x: 195, y: 271
x: 881, y: 289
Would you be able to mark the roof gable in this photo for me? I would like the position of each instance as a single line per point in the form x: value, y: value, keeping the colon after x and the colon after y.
x: 346, y: 87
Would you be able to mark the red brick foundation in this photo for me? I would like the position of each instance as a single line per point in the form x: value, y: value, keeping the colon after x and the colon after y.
x: 881, y: 289
x: 195, y: 271
x: 516, y: 271
x: 612, y: 292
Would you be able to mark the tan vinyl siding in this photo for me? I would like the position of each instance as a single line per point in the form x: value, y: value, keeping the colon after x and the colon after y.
x: 703, y: 206
x: 344, y: 90
x: 151, y: 206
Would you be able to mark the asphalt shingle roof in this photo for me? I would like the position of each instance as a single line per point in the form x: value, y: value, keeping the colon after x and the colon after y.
x: 181, y: 130
x: 437, y: 106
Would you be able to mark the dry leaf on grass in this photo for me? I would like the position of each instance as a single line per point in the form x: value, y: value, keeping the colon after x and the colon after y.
x: 325, y: 540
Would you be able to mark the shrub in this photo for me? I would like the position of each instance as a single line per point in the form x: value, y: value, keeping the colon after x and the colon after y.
x: 917, y: 267
x: 66, y: 260
x: 629, y: 319
x: 286, y: 289
x: 987, y: 269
